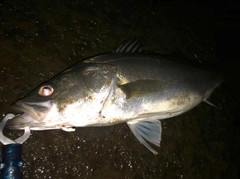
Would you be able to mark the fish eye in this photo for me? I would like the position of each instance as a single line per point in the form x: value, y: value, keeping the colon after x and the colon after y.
x: 46, y: 90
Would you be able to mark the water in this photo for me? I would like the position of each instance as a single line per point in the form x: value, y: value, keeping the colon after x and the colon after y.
x: 41, y: 38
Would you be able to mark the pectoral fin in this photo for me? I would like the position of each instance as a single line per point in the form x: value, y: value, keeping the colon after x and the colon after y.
x: 147, y: 130
x: 141, y: 88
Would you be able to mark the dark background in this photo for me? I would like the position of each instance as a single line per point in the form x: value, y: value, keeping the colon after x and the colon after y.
x: 38, y: 39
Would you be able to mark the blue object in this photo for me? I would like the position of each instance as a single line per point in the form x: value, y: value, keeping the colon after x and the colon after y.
x: 11, y: 161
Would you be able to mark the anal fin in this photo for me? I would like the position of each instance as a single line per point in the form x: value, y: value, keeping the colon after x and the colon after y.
x: 211, y: 104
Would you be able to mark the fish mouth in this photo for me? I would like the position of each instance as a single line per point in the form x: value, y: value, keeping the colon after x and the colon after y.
x: 29, y: 114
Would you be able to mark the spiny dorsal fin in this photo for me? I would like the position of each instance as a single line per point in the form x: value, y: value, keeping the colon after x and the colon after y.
x: 134, y: 45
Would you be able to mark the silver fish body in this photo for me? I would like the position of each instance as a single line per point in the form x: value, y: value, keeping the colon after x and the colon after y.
x: 139, y: 89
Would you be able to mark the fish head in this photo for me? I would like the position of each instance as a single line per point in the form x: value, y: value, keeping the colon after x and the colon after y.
x: 34, y: 107
x: 78, y: 92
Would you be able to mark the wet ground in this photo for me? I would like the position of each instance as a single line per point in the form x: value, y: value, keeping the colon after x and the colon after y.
x: 38, y: 39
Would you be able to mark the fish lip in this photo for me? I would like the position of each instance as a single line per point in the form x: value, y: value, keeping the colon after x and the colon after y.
x: 29, y: 113
x: 20, y: 107
x: 28, y: 107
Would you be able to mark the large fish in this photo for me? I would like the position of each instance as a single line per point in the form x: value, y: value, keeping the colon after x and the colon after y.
x: 124, y: 86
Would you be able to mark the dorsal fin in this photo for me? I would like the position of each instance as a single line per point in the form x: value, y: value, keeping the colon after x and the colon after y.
x: 134, y: 45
